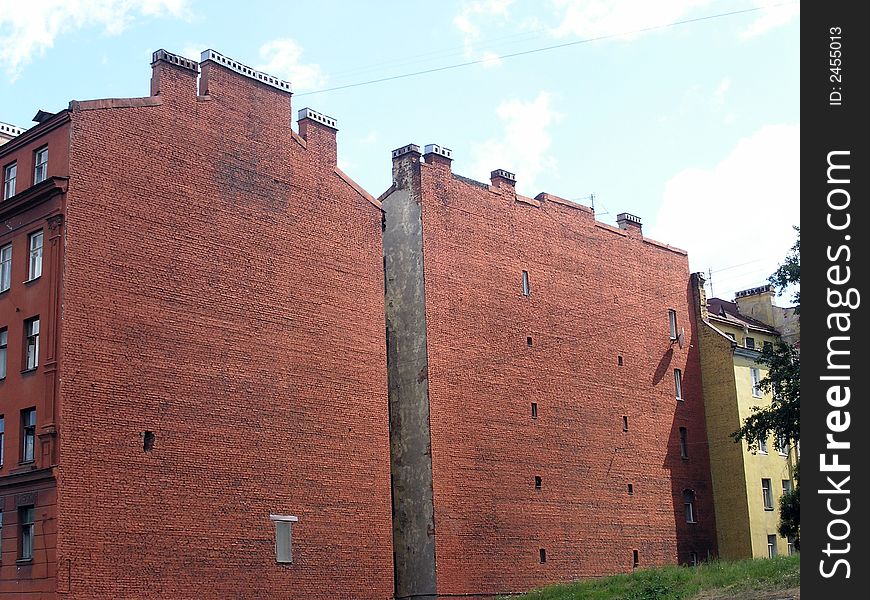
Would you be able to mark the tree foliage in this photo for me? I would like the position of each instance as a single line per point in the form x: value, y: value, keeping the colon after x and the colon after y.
x: 789, y: 272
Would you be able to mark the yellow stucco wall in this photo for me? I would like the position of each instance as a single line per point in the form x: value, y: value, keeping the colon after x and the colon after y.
x: 742, y: 522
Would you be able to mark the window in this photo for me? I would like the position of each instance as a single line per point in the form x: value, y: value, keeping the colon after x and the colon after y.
x: 753, y: 374
x: 9, y: 175
x: 25, y: 542
x: 28, y: 434
x: 694, y: 559
x: 527, y: 289
x: 5, y: 267
x: 630, y: 489
x: 538, y: 482
x: 534, y: 410
x: 283, y: 537
x: 2, y: 445
x: 542, y: 553
x: 31, y: 344
x: 786, y: 486
x: 635, y: 559
x: 678, y: 383
x: 672, y: 323
x: 35, y: 265
x: 762, y: 445
x: 689, y: 505
x: 781, y: 445
x: 768, y: 345
x: 750, y: 343
x: 528, y: 341
x: 684, y: 446
x: 791, y: 546
x: 766, y: 494
x: 624, y: 423
x: 771, y: 546
x: 4, y: 338
x: 40, y: 162
x: 619, y: 360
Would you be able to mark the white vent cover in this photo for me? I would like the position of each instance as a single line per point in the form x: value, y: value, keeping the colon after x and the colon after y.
x: 174, y: 59
x: 628, y: 217
x: 307, y: 113
x: 439, y: 150
x: 504, y: 174
x: 406, y: 150
x: 245, y: 70
x: 8, y: 129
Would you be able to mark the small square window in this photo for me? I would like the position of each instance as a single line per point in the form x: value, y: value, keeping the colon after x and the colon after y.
x: 750, y: 343
x: 40, y: 165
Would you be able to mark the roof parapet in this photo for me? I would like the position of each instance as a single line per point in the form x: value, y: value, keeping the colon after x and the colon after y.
x: 245, y: 70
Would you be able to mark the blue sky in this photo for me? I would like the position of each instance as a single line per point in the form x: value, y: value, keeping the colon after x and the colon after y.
x: 693, y: 127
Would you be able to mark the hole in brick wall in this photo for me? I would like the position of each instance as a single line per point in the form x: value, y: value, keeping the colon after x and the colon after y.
x: 538, y: 482
x: 534, y: 410
x: 630, y: 489
x: 624, y: 423
x: 635, y: 558
x: 148, y: 441
x: 619, y: 360
x: 542, y: 553
x: 529, y: 341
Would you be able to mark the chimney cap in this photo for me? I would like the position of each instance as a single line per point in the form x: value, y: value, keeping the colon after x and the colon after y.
x: 407, y: 149
x: 174, y: 59
x: 7, y: 129
x: 439, y: 150
x: 754, y: 291
x: 503, y: 174
x: 251, y: 73
x: 628, y: 218
x: 307, y: 113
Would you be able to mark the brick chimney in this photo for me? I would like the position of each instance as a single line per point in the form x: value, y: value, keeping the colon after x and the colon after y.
x: 405, y: 159
x: 699, y: 295
x: 629, y: 223
x: 438, y: 155
x: 757, y: 303
x: 319, y: 132
x: 173, y: 75
x: 502, y: 179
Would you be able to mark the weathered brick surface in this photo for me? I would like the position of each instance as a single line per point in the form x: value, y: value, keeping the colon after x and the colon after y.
x: 596, y: 293
x: 223, y: 289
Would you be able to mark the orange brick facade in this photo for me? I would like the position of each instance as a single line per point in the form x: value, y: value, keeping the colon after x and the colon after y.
x: 598, y: 296
x: 222, y: 289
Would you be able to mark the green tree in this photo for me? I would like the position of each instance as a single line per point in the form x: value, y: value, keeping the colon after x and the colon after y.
x: 783, y: 380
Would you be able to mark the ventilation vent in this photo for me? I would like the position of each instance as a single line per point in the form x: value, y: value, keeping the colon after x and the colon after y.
x: 628, y: 217
x: 406, y: 150
x: 175, y: 59
x: 503, y: 174
x: 245, y: 70
x: 10, y: 129
x: 307, y: 113
x: 439, y: 150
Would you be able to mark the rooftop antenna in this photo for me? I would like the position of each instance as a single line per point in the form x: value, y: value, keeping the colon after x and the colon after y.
x: 710, y: 279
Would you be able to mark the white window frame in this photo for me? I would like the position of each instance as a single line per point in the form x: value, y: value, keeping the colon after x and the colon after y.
x: 678, y: 383
x: 40, y: 165
x: 771, y: 546
x: 672, y: 323
x: 689, y: 505
x: 4, y: 355
x: 35, y: 243
x: 755, y: 377
x: 5, y: 267
x: 31, y: 344
x: 283, y: 537
x: 10, y: 175
x: 767, y: 493
x: 762, y: 445
x: 527, y: 286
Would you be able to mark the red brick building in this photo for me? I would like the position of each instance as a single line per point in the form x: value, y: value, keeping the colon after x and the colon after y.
x: 191, y: 319
x: 546, y: 413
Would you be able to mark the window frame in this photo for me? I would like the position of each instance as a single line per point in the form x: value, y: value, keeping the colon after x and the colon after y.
x: 689, y: 505
x: 26, y: 532
x: 767, y: 493
x: 684, y: 443
x: 762, y: 446
x: 672, y: 323
x: 283, y: 537
x: 772, y: 551
x: 2, y: 445
x: 31, y: 361
x: 755, y: 378
x: 4, y: 354
x: 28, y: 434
x: 34, y: 266
x: 678, y: 384
x: 5, y: 267
x: 749, y: 341
x: 526, y: 283
x: 9, y: 183
x: 40, y: 167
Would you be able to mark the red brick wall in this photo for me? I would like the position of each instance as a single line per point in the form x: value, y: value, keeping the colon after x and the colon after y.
x: 596, y: 293
x: 224, y: 290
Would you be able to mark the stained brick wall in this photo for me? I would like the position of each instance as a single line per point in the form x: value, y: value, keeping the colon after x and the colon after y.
x: 596, y: 293
x: 223, y: 290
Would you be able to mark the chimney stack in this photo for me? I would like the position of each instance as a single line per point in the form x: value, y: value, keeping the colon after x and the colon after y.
x: 629, y: 223
x: 757, y: 303
x: 319, y: 132
x: 501, y: 178
x: 438, y: 155
x: 404, y: 161
x: 172, y: 74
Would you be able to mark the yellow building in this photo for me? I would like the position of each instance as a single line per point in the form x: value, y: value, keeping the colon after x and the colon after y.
x: 747, y: 486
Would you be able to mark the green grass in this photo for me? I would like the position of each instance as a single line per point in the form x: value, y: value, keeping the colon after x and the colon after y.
x: 681, y: 583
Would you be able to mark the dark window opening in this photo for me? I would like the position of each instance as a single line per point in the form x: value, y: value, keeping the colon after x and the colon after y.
x: 538, y: 482
x: 534, y: 410
x: 635, y: 559
x: 527, y: 288
x: 543, y: 555
x: 529, y: 341
x: 630, y: 490
x: 619, y: 360
x: 684, y: 446
x: 148, y: 441
x: 624, y: 423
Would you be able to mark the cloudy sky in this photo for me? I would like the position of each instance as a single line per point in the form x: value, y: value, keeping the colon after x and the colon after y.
x: 683, y: 112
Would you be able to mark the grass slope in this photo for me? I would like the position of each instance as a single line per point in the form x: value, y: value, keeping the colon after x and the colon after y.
x: 682, y: 583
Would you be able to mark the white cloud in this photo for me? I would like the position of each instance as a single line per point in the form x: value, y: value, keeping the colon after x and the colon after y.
x: 740, y: 211
x: 467, y: 20
x: 770, y: 18
x: 719, y: 94
x: 282, y: 58
x: 30, y: 28
x: 594, y: 18
x: 193, y: 51
x: 524, y: 144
